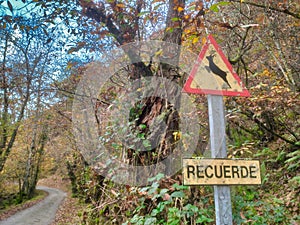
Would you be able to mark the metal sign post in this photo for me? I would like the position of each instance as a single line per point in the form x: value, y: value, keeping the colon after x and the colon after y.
x: 213, y: 75
x: 222, y: 197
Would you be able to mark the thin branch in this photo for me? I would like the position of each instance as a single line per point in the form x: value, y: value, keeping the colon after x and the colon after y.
x: 243, y: 49
x: 285, y: 11
x: 254, y: 133
x: 98, y: 14
x: 271, y: 52
x: 5, y: 100
x: 251, y: 115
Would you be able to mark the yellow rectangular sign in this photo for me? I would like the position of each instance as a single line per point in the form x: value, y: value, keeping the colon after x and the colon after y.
x: 221, y: 172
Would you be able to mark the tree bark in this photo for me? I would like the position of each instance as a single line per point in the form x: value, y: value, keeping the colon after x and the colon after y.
x: 152, y: 106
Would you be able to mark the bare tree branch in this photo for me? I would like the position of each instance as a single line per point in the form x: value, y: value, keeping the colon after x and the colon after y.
x: 285, y: 11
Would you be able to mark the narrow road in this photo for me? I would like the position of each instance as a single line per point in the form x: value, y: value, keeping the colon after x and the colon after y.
x: 42, y: 213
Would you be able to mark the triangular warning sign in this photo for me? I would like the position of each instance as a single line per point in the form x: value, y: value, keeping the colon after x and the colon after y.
x: 213, y: 74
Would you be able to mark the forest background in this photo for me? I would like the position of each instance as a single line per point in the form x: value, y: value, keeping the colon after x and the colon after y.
x: 45, y: 49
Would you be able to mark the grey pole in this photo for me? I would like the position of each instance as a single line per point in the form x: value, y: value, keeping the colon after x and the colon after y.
x: 222, y: 197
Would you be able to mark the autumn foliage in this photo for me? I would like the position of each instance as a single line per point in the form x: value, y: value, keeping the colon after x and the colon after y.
x: 44, y: 53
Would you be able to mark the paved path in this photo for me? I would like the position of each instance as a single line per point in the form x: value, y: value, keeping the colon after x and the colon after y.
x: 42, y: 213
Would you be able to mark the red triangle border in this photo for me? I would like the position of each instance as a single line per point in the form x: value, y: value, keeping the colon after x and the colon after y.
x: 187, y: 86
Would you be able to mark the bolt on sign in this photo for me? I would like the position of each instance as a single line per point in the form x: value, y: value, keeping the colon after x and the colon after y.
x: 221, y: 172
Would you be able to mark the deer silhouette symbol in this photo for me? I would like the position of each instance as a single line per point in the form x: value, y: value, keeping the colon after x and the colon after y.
x: 216, y: 70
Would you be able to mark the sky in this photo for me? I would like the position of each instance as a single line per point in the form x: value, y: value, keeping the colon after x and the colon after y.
x: 18, y: 7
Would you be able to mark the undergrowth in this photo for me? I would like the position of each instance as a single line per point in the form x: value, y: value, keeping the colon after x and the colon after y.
x: 169, y: 203
x: 11, y: 204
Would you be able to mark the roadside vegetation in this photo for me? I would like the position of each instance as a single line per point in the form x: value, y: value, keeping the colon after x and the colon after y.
x: 10, y: 204
x: 45, y: 49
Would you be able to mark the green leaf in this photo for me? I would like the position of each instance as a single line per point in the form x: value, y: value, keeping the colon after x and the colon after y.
x: 157, y: 177
x: 204, y: 219
x: 295, y: 153
x: 192, y: 208
x: 215, y: 7
x: 144, y: 189
x: 115, y: 145
x: 163, y: 191
x: 174, y: 222
x: 170, y: 29
x: 142, y: 126
x: 154, y: 212
x: 177, y: 194
x: 136, y: 219
x: 146, y: 143
x: 141, y: 136
x: 150, y: 221
x: 143, y: 13
x: 175, y: 19
x: 180, y: 187
x: 296, y: 179
x: 160, y: 207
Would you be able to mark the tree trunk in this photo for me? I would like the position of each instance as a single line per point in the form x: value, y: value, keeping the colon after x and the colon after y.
x: 152, y: 106
x: 36, y: 148
x: 6, y: 142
